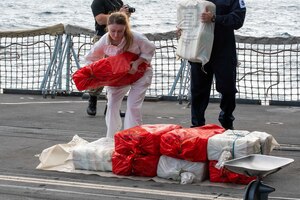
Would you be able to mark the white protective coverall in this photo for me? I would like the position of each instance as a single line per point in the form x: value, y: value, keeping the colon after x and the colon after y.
x: 136, y: 91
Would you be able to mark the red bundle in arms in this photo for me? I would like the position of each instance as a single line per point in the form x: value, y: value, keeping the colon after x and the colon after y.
x: 110, y: 71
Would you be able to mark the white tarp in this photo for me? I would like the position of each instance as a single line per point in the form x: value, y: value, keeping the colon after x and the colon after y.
x: 59, y: 157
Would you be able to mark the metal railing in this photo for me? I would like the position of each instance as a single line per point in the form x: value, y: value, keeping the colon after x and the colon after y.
x: 43, y: 60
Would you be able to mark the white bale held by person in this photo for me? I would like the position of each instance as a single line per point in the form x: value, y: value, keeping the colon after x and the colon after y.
x: 196, y: 38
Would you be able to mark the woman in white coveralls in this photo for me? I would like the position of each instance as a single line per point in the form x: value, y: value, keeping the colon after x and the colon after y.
x: 119, y: 39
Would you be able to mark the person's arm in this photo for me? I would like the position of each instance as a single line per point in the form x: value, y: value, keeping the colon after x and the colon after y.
x: 98, y: 9
x: 208, y: 16
x: 101, y: 19
x: 97, y: 51
x: 135, y: 64
x: 235, y: 18
x: 147, y: 50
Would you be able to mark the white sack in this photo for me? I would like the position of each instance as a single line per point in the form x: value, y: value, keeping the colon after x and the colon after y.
x: 238, y: 142
x: 174, y: 169
x: 267, y: 141
x: 196, y: 40
x: 94, y: 156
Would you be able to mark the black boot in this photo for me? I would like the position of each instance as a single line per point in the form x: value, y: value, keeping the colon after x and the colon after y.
x: 92, y: 108
x: 122, y: 114
x: 105, y: 110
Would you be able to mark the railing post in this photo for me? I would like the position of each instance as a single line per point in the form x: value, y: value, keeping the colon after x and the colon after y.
x: 52, y: 63
x: 183, y: 77
x: 55, y: 70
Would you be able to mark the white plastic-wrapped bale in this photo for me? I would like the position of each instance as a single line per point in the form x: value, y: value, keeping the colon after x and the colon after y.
x: 196, y: 40
x: 175, y: 169
x: 94, y: 156
x: 267, y: 141
x: 239, y: 142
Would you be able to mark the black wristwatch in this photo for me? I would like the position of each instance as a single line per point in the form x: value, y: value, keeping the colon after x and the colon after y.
x: 213, y: 19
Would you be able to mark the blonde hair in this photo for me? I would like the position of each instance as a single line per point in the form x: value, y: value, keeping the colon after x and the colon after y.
x: 122, y: 19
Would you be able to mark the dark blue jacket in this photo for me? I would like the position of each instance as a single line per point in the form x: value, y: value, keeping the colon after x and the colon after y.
x: 230, y: 16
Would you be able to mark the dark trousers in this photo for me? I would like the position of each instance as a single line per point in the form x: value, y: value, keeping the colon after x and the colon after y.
x: 201, y: 82
x: 95, y: 92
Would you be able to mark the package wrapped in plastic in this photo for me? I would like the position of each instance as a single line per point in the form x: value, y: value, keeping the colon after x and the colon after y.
x: 143, y: 139
x: 187, y: 178
x: 134, y: 164
x: 110, y: 71
x: 94, y: 156
x: 238, y: 142
x: 196, y: 40
x: 223, y: 175
x: 188, y: 143
x: 267, y: 141
x: 121, y: 164
x: 173, y: 168
x: 225, y: 156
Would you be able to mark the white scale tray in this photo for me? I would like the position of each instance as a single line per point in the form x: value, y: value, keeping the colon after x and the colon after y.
x: 257, y: 165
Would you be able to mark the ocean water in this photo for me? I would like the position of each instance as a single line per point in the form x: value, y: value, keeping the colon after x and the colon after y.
x: 269, y: 18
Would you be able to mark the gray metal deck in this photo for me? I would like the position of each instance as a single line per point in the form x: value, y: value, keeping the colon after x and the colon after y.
x: 30, y: 123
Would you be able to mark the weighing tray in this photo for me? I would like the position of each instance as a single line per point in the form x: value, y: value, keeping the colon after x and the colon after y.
x: 257, y: 165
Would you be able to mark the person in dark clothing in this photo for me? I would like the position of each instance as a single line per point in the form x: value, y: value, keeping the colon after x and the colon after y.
x: 101, y: 11
x: 230, y: 16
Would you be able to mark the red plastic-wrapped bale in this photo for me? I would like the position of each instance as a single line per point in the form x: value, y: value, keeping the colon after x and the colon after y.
x: 110, y: 71
x: 223, y: 175
x: 135, y: 165
x: 188, y: 143
x: 145, y: 165
x: 143, y: 139
x: 122, y: 164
